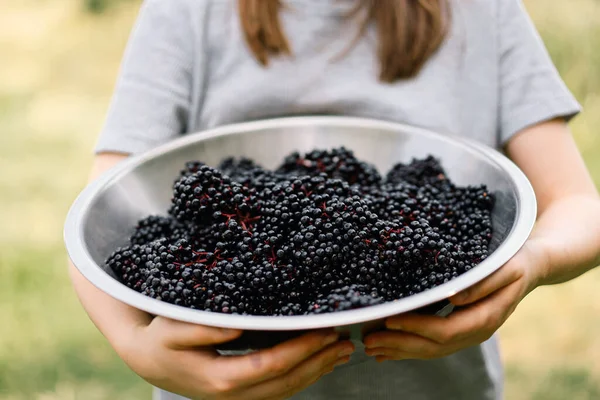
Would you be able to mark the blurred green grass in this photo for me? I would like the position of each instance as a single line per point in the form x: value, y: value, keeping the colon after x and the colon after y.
x: 54, y: 91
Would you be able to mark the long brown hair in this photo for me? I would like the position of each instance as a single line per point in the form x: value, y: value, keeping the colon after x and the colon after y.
x: 409, y: 32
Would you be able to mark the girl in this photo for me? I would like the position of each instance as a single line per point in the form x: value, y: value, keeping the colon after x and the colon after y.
x: 475, y: 68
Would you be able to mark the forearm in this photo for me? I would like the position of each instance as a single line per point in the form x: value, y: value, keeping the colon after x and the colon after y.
x: 567, y: 238
x: 105, y: 311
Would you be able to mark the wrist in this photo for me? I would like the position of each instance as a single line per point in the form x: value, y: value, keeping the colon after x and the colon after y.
x: 130, y: 344
x: 539, y: 262
x: 123, y: 338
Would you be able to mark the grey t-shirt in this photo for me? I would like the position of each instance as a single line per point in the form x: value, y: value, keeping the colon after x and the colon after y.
x: 187, y: 68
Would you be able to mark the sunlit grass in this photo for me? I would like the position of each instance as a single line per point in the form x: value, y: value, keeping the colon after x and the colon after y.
x: 53, y: 95
x: 54, y: 90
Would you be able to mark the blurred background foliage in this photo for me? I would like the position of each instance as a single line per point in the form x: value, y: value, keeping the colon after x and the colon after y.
x: 58, y: 63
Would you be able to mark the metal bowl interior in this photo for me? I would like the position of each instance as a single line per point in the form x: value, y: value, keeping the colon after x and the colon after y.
x: 104, y: 214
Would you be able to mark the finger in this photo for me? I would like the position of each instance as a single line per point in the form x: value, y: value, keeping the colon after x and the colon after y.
x: 289, y: 393
x: 413, y: 347
x: 387, y: 354
x: 482, y: 318
x: 311, y: 381
x: 179, y: 335
x: 499, y: 279
x: 266, y: 364
x: 402, y: 342
x: 390, y: 354
x: 302, y: 376
x: 424, y: 353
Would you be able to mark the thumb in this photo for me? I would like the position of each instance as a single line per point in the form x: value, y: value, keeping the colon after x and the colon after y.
x: 506, y: 275
x: 179, y: 335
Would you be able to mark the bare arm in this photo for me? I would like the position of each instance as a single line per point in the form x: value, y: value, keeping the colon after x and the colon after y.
x: 567, y: 233
x: 112, y: 312
x: 178, y: 357
x: 564, y: 244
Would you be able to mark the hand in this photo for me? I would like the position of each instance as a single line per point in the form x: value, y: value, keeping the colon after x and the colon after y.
x: 487, y: 305
x: 176, y: 357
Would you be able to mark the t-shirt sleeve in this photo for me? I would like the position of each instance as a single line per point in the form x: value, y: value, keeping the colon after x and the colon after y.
x: 531, y: 89
x: 151, y: 102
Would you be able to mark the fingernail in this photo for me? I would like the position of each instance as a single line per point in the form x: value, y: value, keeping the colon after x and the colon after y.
x: 331, y: 338
x: 346, y: 351
x: 462, y: 296
x: 373, y: 353
x: 393, y: 324
x: 341, y: 361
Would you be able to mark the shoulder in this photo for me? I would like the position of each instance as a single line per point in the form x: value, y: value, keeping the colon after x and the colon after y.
x: 179, y: 20
x: 490, y: 9
x: 176, y: 8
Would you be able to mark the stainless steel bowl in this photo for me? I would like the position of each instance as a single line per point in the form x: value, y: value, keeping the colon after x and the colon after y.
x: 105, y: 213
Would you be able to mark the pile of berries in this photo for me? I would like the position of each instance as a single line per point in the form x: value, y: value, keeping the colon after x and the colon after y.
x: 324, y: 232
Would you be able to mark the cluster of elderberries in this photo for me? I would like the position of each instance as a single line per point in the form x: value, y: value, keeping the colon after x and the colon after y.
x: 323, y: 232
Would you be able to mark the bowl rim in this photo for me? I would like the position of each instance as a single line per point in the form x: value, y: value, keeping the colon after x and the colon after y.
x: 77, y: 250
